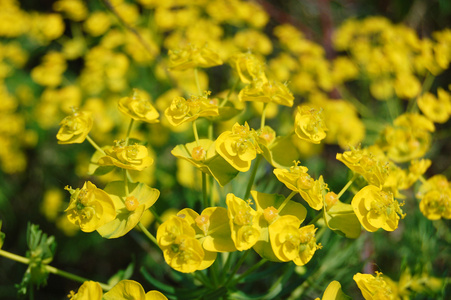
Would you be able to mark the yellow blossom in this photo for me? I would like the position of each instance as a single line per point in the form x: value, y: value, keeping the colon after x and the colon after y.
x: 376, y: 209
x: 181, y: 250
x: 249, y: 67
x: 89, y: 290
x: 133, y: 157
x: 267, y: 92
x: 437, y: 109
x: 291, y: 243
x: 75, y: 128
x: 243, y: 221
x: 192, y: 57
x: 435, y: 195
x: 90, y: 207
x: 130, y: 289
x: 374, y: 288
x: 238, y: 147
x: 408, y: 139
x: 363, y: 162
x: 297, y: 179
x: 309, y: 124
x: 138, y: 108
x: 184, y: 110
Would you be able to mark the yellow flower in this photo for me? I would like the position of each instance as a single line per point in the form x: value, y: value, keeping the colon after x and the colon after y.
x: 138, y: 108
x: 334, y: 292
x: 249, y: 67
x: 437, y: 109
x: 134, y: 157
x: 270, y: 207
x: 192, y: 57
x: 309, y: 124
x: 376, y: 209
x: 75, y: 128
x: 291, y: 243
x: 50, y: 72
x: 181, y: 250
x: 90, y: 207
x: 363, y: 162
x: 89, y: 290
x: 297, y: 179
x: 408, y: 139
x: 212, y: 228
x: 97, y: 23
x: 243, y: 222
x: 184, y: 110
x: 131, y: 290
x: 267, y: 92
x: 130, y: 208
x: 238, y: 147
x: 374, y: 288
x: 435, y: 195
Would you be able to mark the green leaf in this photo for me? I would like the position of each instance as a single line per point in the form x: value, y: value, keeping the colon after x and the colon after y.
x: 95, y: 169
x: 122, y: 274
x: 40, y: 253
x: 2, y: 235
x: 221, y: 170
x: 342, y: 220
x: 226, y: 112
x: 281, y: 153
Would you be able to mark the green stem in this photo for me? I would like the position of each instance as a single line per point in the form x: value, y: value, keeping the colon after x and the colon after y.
x: 248, y: 271
x: 196, y: 78
x: 318, y: 216
x: 262, y: 123
x: 237, y: 266
x: 125, y: 182
x: 204, y: 190
x: 148, y: 234
x: 50, y: 269
x: 226, y: 266
x: 285, y: 202
x: 252, y: 178
x: 196, y: 136
x: 202, y: 278
x: 156, y: 215
x: 91, y: 141
x: 127, y: 137
x: 230, y: 92
x: 354, y: 177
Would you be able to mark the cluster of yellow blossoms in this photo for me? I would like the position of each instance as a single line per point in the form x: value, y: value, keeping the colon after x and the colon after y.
x: 287, y: 83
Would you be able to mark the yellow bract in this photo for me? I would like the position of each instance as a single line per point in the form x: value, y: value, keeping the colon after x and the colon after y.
x: 309, y: 124
x: 239, y: 146
x: 249, y: 67
x: 192, y: 57
x: 184, y: 110
x: 267, y: 92
x: 365, y: 163
x: 89, y: 290
x: 90, y: 207
x: 408, y: 139
x: 75, y: 128
x: 297, y: 179
x: 376, y: 209
x: 437, y: 109
x: 181, y: 250
x: 138, y: 108
x: 243, y: 222
x: 291, y: 243
x: 435, y: 195
x: 134, y: 157
x: 374, y: 288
